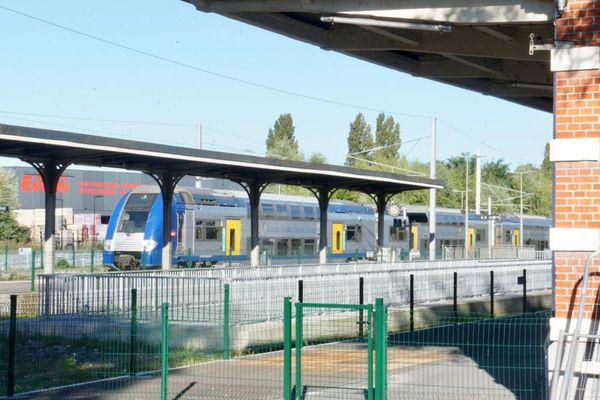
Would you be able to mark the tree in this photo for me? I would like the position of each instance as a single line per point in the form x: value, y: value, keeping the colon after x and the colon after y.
x: 387, y: 139
x: 281, y: 141
x: 546, y: 166
x: 9, y: 227
x: 360, y: 141
x: 317, y: 158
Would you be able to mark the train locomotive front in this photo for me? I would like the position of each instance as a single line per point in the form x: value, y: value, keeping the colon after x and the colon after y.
x: 134, y: 232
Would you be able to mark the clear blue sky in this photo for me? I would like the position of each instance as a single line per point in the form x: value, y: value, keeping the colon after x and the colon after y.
x: 48, y: 70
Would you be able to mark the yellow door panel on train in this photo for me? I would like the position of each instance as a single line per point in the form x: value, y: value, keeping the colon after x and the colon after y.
x: 471, y: 238
x: 337, y: 230
x: 414, y: 231
x: 233, y: 237
x: 516, y: 239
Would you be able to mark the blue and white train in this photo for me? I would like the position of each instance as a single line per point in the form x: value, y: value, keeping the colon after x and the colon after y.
x: 213, y: 226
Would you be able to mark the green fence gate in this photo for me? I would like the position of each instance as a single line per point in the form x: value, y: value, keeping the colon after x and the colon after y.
x: 340, y: 351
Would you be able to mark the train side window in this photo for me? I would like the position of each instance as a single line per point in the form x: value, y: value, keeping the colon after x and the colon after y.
x: 199, y: 230
x: 282, y: 210
x: 397, y: 234
x: 213, y: 231
x: 354, y: 233
x: 296, y: 212
x: 268, y: 210
x: 282, y: 247
x: 208, y: 230
x: 297, y: 247
x: 309, y: 213
x: 310, y: 247
x: 480, y: 235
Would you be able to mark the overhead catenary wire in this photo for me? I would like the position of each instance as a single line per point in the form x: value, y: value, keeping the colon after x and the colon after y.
x: 241, y: 80
x: 205, y: 70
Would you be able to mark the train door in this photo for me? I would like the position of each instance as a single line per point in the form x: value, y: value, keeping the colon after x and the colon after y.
x: 180, y: 230
x: 233, y: 237
x: 338, y: 238
x: 414, y: 237
x: 188, y: 231
x: 516, y: 239
x: 471, y: 238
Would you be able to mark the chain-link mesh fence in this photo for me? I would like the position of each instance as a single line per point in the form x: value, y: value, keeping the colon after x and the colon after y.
x: 102, y: 334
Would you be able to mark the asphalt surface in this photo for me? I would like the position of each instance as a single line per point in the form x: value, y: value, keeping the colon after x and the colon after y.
x: 14, y: 287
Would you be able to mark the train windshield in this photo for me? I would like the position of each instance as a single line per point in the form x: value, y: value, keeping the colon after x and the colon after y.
x: 135, y: 214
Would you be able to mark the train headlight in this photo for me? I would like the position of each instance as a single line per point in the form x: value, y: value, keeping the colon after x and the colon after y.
x: 108, y: 245
x: 148, y: 245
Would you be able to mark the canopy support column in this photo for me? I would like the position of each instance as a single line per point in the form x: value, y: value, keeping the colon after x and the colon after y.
x: 254, y: 190
x: 167, y: 181
x: 323, y: 195
x: 381, y: 200
x: 50, y: 173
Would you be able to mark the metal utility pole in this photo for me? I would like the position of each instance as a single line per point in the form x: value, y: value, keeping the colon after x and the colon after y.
x: 467, y: 155
x: 199, y: 136
x: 199, y: 147
x: 521, y: 216
x: 477, y: 183
x: 490, y: 228
x: 432, y: 193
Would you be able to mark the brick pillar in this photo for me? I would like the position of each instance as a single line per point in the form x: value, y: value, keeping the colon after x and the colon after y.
x: 575, y: 152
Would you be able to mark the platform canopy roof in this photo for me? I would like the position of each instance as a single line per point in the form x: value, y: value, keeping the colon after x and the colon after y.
x: 34, y: 145
x: 480, y: 45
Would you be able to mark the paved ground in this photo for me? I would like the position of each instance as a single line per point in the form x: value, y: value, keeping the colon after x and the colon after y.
x: 330, y: 372
x: 14, y: 287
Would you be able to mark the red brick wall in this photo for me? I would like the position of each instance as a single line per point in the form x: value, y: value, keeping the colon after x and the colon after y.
x: 577, y: 184
x: 579, y: 23
x: 568, y: 269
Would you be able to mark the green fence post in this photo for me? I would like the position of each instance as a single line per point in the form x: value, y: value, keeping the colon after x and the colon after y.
x: 226, y: 321
x: 133, y: 333
x: 92, y: 260
x: 299, y: 311
x: 189, y: 255
x: 42, y: 257
x: 164, y: 351
x: 12, y: 347
x: 73, y: 254
x: 370, y: 354
x: 287, y: 348
x: 32, y: 270
x: 380, y: 350
x: 5, y: 256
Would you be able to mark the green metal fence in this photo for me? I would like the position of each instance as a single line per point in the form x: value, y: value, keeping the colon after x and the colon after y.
x: 469, y: 356
x: 224, y: 349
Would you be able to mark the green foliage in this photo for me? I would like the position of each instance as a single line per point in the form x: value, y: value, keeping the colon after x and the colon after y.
x: 359, y: 140
x: 317, y: 158
x: 281, y: 142
x: 546, y: 167
x: 387, y: 139
x: 61, y: 263
x: 9, y: 227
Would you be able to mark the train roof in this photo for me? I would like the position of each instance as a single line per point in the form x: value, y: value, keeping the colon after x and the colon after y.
x: 239, y: 198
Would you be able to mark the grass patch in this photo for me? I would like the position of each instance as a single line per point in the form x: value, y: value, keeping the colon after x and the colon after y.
x: 46, y: 361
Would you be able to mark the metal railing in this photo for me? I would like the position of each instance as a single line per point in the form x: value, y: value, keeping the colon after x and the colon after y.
x: 257, y: 293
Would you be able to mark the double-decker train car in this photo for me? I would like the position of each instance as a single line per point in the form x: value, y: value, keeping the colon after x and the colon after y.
x: 213, y: 226
x: 450, y: 230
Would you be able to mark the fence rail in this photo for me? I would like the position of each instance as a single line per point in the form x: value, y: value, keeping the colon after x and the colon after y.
x: 257, y: 293
x: 12, y: 261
